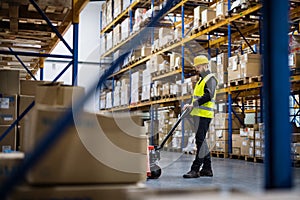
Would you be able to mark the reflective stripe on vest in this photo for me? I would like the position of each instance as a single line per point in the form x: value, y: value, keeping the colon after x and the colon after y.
x: 206, y: 109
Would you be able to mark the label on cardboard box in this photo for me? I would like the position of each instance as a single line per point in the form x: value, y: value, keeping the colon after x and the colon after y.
x: 257, y: 143
x: 4, y: 103
x: 7, y: 117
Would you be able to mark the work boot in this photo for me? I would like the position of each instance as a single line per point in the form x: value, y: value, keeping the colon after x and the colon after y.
x: 206, y: 172
x: 191, y: 174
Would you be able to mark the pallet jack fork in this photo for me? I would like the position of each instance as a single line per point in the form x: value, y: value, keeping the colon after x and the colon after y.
x: 154, y: 151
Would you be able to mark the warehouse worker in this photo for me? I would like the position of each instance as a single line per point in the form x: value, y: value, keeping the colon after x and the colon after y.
x: 202, y: 106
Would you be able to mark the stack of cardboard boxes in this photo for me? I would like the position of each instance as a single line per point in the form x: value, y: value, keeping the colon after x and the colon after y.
x: 244, y: 66
x: 221, y: 130
x: 222, y: 65
x: 136, y: 86
x: 9, y: 91
x: 97, y: 143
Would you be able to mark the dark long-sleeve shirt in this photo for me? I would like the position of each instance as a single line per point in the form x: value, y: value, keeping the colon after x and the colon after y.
x: 209, y: 89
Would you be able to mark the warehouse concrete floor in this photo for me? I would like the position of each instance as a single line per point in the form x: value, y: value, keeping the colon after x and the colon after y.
x: 228, y: 174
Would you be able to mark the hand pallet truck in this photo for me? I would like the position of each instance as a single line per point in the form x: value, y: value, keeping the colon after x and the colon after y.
x: 154, y: 151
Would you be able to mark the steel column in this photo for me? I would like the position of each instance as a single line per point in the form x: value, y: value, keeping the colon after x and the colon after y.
x: 182, y: 70
x: 75, y: 54
x: 41, y: 74
x: 131, y: 19
x: 276, y: 86
x: 229, y: 95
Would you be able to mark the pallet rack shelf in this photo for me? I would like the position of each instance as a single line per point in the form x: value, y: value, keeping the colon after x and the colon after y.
x: 239, y: 25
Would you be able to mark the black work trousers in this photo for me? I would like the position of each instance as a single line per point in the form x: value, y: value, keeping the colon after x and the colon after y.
x: 203, y: 154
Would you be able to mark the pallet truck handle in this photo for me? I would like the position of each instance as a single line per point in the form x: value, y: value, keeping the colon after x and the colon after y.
x: 170, y: 133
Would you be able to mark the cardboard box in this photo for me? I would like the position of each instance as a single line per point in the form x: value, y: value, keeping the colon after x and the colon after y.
x: 58, y: 95
x: 259, y: 143
x: 221, y: 8
x: 28, y: 87
x: 125, y: 29
x: 258, y: 152
x: 222, y: 146
x: 178, y: 33
x: 251, y: 151
x: 117, y: 8
x: 9, y: 81
x: 8, y: 109
x: 163, y: 32
x: 247, y: 132
x: 245, y: 146
x: 94, y: 149
x: 9, y: 142
x: 207, y: 15
x: 24, y: 102
x: 145, y: 51
x: 221, y: 121
x: 236, y: 150
x: 109, y: 11
x: 103, y: 100
x: 109, y: 40
x: 126, y: 4
x: 197, y: 12
x: 250, y: 69
x: 104, y: 10
x: 237, y: 140
x: 108, y: 100
x: 294, y: 60
x: 250, y: 58
x: 102, y: 44
x: 116, y: 35
x: 8, y: 163
x: 223, y: 134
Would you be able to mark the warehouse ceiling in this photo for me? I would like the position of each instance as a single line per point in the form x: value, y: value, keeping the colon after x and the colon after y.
x: 22, y: 28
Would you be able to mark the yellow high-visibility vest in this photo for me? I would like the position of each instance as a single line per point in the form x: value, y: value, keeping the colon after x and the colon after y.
x: 207, y: 109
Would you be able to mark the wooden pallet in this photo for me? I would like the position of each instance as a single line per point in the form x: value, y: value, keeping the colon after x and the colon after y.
x: 219, y: 18
x: 236, y: 82
x: 236, y: 156
x: 255, y: 79
x: 254, y: 159
x: 219, y: 154
x: 167, y: 96
x: 155, y: 98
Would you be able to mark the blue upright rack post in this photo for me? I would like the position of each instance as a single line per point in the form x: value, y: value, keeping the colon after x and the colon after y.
x: 276, y: 88
x: 75, y: 45
x: 182, y: 71
x: 41, y: 74
x: 229, y: 95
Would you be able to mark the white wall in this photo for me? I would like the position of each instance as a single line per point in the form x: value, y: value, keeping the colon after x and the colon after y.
x: 88, y: 53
